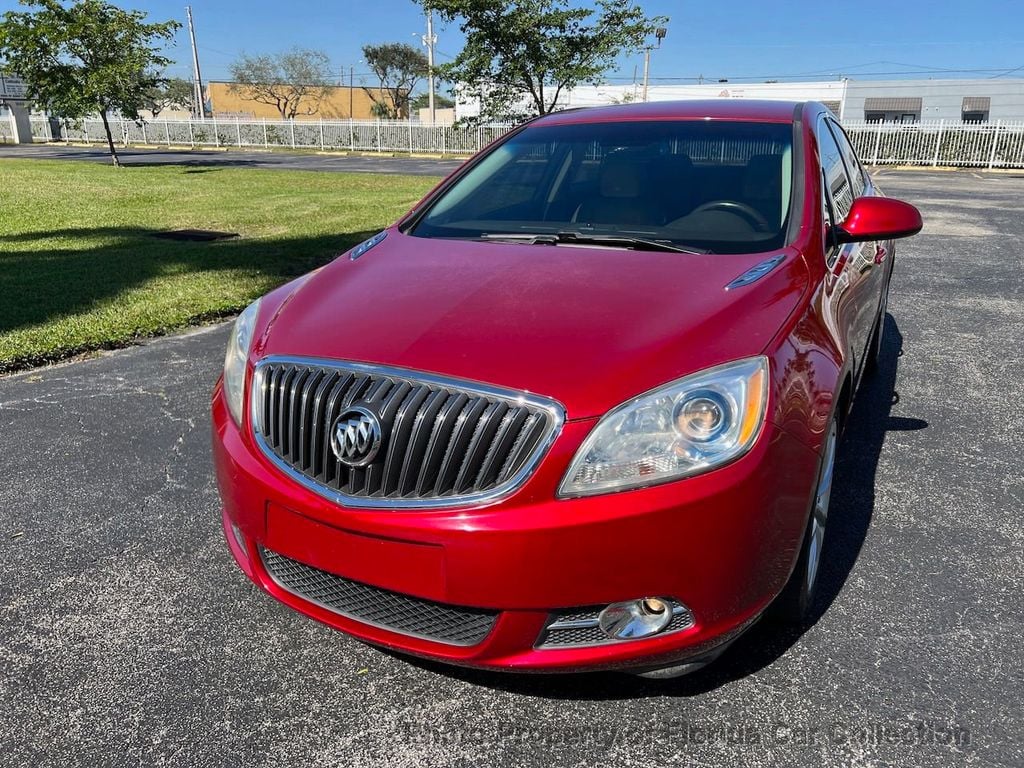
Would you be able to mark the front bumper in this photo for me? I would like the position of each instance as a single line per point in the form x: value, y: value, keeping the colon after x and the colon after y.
x: 722, y: 543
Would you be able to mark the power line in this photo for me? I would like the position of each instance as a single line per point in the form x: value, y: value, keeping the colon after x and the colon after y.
x: 835, y: 72
x: 219, y: 52
x: 1008, y: 72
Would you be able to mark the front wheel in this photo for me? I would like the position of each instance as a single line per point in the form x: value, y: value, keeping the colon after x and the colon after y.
x: 794, y: 604
x: 875, y: 350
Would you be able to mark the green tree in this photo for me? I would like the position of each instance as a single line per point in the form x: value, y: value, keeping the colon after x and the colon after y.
x: 537, y: 48
x: 168, y: 93
x: 85, y: 57
x: 398, y: 67
x: 294, y: 82
x: 422, y: 101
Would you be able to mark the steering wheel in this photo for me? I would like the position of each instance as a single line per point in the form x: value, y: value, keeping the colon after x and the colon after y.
x: 743, y: 210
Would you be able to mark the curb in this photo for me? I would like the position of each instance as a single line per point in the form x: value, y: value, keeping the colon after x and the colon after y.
x: 942, y: 169
x: 258, y: 149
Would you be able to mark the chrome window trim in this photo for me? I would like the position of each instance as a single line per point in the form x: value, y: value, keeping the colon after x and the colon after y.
x: 554, y: 409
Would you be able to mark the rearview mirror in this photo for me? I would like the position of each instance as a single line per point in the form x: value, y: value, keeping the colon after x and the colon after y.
x: 878, y: 218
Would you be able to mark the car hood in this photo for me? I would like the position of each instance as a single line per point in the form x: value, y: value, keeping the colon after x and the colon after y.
x: 589, y: 327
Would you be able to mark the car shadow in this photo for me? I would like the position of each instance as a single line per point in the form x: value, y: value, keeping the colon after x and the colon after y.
x: 256, y: 157
x: 851, y: 509
x: 198, y: 164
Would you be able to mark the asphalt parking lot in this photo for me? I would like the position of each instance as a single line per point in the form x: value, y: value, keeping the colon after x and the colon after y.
x: 128, y: 636
x: 302, y: 161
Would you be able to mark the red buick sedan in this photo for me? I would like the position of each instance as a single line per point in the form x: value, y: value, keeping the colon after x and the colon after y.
x: 579, y: 408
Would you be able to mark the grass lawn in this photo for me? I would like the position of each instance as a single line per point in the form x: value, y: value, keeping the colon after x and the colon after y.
x: 81, y: 270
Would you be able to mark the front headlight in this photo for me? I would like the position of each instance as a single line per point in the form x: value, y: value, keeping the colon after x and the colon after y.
x: 684, y: 428
x: 236, y: 357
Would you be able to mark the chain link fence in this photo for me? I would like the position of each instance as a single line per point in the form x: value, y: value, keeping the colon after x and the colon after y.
x: 979, y: 145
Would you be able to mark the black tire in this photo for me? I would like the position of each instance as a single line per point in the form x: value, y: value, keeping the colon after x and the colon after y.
x: 796, y: 601
x: 875, y: 347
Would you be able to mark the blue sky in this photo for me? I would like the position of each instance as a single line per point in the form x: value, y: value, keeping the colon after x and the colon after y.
x: 736, y: 39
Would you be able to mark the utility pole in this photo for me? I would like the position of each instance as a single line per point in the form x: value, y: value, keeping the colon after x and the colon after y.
x: 351, y: 89
x: 197, y: 79
x: 659, y: 34
x: 647, y: 69
x: 429, y: 40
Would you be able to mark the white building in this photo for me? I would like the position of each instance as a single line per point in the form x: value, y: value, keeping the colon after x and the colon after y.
x: 907, y: 101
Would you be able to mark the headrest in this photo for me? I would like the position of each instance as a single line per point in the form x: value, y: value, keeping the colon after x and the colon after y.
x: 762, y: 178
x: 620, y: 175
x: 677, y: 162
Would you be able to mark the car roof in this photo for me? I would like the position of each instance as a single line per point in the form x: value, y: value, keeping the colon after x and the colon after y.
x: 690, y: 109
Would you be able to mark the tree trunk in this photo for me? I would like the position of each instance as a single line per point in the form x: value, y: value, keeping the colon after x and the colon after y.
x: 110, y: 139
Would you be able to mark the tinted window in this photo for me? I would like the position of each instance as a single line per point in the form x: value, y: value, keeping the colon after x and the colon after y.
x: 836, y: 182
x: 853, y: 166
x: 720, y: 186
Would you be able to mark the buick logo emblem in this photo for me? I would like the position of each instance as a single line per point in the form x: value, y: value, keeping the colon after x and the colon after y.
x: 356, y: 437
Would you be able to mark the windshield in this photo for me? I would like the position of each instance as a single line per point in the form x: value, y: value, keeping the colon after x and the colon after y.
x: 703, y: 185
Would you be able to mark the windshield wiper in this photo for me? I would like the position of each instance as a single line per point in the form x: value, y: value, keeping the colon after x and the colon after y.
x: 584, y: 238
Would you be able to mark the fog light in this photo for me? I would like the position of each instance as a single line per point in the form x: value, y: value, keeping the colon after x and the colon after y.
x: 635, y: 618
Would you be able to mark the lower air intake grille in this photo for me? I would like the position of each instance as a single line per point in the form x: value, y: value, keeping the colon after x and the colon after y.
x: 380, y: 607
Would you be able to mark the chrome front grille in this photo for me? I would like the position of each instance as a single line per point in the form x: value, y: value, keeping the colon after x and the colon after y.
x: 442, y: 442
x: 380, y: 607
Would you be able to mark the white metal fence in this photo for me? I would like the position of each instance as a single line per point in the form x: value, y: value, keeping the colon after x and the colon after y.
x: 940, y: 143
x: 982, y: 145
x: 369, y: 136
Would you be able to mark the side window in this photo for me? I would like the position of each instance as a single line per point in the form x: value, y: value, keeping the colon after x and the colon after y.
x: 837, y: 184
x: 853, y: 166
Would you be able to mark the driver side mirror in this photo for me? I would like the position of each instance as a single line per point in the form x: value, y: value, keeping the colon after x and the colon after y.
x: 878, y: 218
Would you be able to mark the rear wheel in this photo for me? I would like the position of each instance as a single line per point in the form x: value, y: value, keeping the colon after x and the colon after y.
x: 797, y: 598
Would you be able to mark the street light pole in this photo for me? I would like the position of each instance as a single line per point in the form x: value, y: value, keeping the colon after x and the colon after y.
x: 197, y: 79
x: 647, y: 69
x: 659, y: 34
x: 428, y: 40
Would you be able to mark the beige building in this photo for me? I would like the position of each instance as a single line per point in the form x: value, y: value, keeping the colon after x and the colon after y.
x: 442, y: 115
x: 340, y: 103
